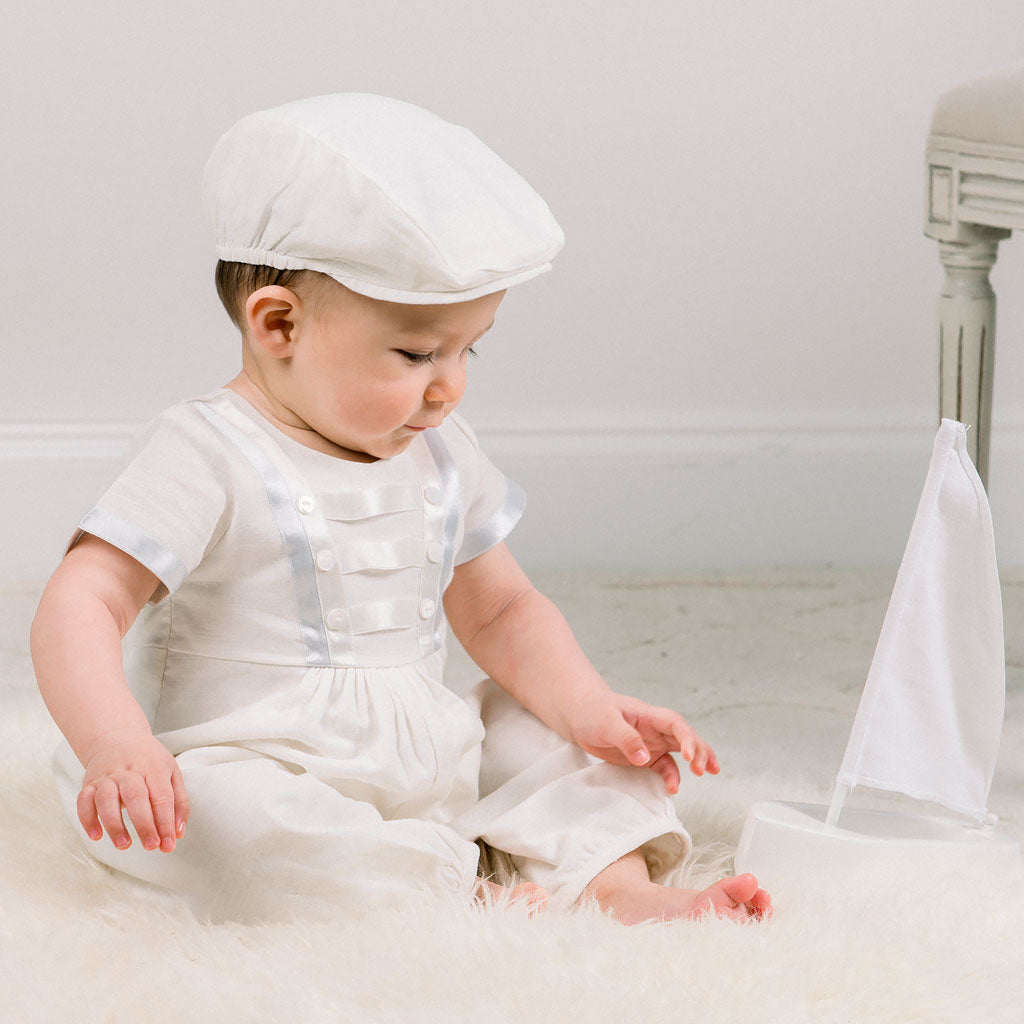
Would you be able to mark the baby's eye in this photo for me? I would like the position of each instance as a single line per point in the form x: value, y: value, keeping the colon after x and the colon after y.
x: 417, y: 357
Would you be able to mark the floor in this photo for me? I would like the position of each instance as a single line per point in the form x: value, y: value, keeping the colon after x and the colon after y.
x: 769, y: 667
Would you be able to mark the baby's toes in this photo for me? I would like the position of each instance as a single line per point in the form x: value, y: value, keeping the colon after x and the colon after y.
x: 735, y: 898
x: 536, y: 896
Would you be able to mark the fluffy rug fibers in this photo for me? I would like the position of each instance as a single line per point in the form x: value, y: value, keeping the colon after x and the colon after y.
x: 769, y: 668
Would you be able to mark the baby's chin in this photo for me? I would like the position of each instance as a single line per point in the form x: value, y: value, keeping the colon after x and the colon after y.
x: 386, y: 448
x: 371, y: 449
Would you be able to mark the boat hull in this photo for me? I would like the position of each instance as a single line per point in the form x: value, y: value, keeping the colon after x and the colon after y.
x: 786, y: 844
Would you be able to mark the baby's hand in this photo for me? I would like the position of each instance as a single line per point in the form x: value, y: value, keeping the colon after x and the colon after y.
x: 136, y: 772
x: 624, y: 730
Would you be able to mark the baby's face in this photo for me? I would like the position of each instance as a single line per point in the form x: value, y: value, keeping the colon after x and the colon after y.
x: 371, y: 375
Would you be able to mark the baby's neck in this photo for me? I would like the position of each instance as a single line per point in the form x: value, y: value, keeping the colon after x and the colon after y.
x: 246, y: 388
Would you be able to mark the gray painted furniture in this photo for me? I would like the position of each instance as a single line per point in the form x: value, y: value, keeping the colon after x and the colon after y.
x: 975, y: 198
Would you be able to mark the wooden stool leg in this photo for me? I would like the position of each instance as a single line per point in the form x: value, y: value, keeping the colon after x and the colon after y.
x: 967, y: 328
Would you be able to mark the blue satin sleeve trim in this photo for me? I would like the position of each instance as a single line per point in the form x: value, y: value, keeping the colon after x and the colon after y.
x: 497, y: 528
x: 166, y: 566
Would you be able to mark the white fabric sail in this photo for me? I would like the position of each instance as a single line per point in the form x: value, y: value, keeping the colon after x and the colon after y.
x: 931, y: 714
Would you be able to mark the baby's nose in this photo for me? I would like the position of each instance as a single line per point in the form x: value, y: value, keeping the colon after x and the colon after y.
x: 447, y: 386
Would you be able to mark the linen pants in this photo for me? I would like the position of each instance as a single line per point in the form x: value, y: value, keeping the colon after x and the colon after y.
x: 266, y: 841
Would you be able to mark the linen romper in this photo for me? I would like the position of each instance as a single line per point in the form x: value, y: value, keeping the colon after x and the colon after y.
x: 292, y: 661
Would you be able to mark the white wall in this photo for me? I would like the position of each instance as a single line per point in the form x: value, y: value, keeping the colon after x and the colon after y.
x: 741, y: 322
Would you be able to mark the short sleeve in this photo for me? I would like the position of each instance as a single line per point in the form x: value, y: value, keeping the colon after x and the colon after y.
x: 492, y: 503
x: 169, y: 503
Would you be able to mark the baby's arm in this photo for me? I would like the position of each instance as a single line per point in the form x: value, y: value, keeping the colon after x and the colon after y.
x: 523, y: 642
x: 88, y: 605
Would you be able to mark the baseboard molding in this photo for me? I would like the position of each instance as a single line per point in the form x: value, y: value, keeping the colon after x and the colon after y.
x: 649, y: 498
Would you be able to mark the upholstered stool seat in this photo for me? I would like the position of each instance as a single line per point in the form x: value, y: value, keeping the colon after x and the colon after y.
x: 975, y: 198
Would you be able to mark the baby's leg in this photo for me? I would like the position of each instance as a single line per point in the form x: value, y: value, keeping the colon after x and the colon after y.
x: 568, y: 821
x: 489, y: 892
x: 558, y: 814
x: 265, y: 843
x: 625, y: 888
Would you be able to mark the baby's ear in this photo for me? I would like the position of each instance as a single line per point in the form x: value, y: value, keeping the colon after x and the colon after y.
x: 271, y: 314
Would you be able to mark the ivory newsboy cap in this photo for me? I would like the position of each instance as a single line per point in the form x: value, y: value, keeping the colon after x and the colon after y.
x: 382, y: 195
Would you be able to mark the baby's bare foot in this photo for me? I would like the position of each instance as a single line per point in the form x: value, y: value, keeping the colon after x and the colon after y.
x: 627, y: 891
x: 536, y: 896
x: 737, y: 898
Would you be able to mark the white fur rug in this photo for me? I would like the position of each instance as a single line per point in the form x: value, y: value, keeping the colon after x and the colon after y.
x: 770, y: 668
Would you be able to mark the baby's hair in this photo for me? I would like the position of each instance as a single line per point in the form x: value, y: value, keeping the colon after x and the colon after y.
x: 237, y: 281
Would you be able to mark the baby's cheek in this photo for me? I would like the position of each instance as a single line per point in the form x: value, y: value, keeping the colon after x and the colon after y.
x: 378, y: 405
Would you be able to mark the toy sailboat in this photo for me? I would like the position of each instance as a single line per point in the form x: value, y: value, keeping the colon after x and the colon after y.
x: 931, y: 713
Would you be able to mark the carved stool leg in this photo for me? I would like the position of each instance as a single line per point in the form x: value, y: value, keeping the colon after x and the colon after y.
x: 967, y: 327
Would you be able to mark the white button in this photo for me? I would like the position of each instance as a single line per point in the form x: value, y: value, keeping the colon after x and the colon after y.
x: 337, y: 619
x: 434, y: 552
x: 432, y: 494
x: 325, y: 560
x: 306, y: 504
x: 427, y: 608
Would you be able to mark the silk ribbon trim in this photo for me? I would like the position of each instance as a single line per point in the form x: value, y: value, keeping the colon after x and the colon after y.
x: 383, y: 556
x: 381, y: 615
x: 450, y: 502
x: 349, y: 506
x: 498, y: 527
x: 307, y: 597
x: 168, y: 568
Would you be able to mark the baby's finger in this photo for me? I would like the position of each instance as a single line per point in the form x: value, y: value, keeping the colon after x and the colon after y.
x: 87, y: 813
x: 667, y: 768
x: 108, y: 806
x: 631, y: 743
x: 162, y: 806
x: 685, y: 735
x: 699, y: 761
x: 622, y: 736
x: 182, y: 809
x: 136, y: 799
x: 704, y: 759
